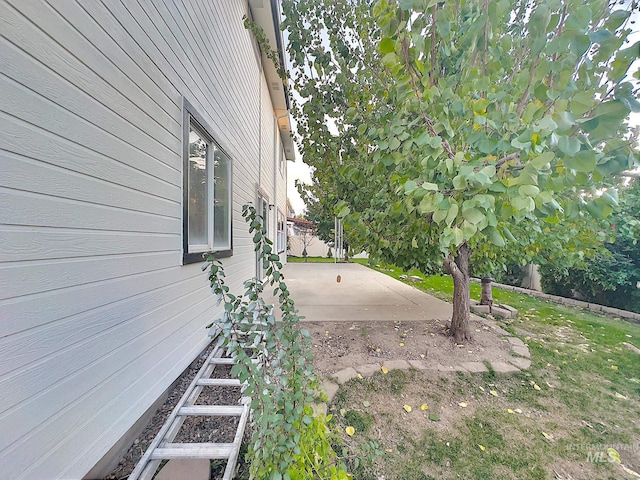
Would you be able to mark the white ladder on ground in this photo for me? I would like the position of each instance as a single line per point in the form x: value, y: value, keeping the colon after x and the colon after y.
x: 162, y: 446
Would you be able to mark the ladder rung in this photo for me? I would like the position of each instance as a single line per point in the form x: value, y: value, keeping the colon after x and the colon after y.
x: 220, y: 382
x: 193, y: 450
x: 222, y: 361
x: 212, y: 410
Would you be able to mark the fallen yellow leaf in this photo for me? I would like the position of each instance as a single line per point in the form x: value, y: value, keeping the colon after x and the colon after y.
x: 619, y: 395
x: 401, y: 344
x: 517, y: 410
x: 422, y: 355
x: 384, y: 369
x: 359, y: 376
x: 481, y: 447
x: 614, y: 367
x: 424, y: 406
x: 536, y: 386
x: 493, y: 392
x: 407, y: 408
x: 548, y: 436
x: 463, y: 404
x: 510, y: 411
x: 350, y: 430
x: 481, y: 387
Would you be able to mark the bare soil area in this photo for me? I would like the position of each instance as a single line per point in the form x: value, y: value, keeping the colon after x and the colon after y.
x: 337, y: 345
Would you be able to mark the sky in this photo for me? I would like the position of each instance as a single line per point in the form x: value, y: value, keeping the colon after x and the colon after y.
x: 299, y: 170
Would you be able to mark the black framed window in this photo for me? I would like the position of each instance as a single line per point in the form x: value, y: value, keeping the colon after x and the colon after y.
x: 281, y: 239
x: 207, y: 186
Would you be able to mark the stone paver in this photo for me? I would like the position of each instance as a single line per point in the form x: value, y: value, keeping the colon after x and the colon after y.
x: 397, y: 365
x: 481, y: 308
x: 521, y: 363
x: 501, y: 312
x: 499, y: 330
x: 343, y: 376
x: 514, y: 311
x: 450, y: 368
x: 368, y: 370
x: 522, y: 351
x: 330, y: 389
x: 319, y: 409
x: 418, y: 364
x: 515, y: 341
x: 181, y: 468
x: 502, y: 367
x: 474, y: 367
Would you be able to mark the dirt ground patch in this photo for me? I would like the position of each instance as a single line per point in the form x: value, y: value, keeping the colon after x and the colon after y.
x: 438, y: 424
x: 337, y: 345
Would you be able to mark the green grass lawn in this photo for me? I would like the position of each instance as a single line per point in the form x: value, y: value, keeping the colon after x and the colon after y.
x: 586, y: 400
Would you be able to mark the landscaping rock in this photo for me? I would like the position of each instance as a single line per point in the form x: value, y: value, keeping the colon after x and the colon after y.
x: 330, y: 389
x: 481, y: 309
x: 501, y: 312
x: 343, y: 376
x: 397, y: 365
x: 522, y: 351
x: 515, y: 341
x: 474, y: 367
x: 499, y: 330
x: 319, y: 409
x: 450, y: 368
x: 502, y: 367
x: 521, y: 363
x: 514, y: 311
x: 368, y: 369
x: 417, y: 364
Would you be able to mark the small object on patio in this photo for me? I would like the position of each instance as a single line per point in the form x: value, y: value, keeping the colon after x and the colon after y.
x: 338, y: 278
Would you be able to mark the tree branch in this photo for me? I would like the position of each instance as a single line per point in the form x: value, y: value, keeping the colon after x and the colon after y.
x: 414, y: 86
x: 507, y: 158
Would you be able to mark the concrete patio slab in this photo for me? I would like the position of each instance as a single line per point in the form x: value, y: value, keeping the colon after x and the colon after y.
x: 363, y: 294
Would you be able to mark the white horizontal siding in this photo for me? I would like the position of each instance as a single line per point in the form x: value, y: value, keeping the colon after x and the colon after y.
x: 128, y: 171
x: 98, y: 314
x: 53, y: 44
x: 27, y: 105
x: 18, y: 243
x: 32, y: 175
x: 35, y: 209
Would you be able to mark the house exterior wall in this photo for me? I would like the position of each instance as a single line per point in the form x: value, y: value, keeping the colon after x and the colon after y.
x: 98, y: 316
x: 316, y: 247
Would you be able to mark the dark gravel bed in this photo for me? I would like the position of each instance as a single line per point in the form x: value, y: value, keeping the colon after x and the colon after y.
x: 194, y: 429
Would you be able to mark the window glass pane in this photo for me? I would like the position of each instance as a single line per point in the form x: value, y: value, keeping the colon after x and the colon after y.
x: 221, y: 200
x: 198, y: 231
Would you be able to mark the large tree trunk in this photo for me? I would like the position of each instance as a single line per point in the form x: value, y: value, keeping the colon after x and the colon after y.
x: 458, y: 268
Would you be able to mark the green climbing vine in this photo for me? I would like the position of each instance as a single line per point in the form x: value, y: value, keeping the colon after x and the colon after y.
x: 273, y: 357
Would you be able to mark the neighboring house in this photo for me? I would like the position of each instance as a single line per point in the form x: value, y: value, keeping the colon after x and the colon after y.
x: 131, y: 134
x: 301, y: 234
